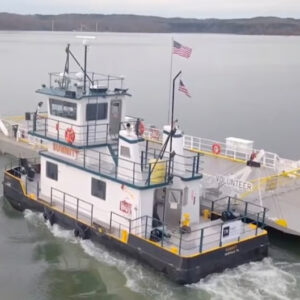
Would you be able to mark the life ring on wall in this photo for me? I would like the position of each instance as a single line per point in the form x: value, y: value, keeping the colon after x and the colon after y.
x: 141, y: 128
x: 216, y: 149
x: 70, y: 135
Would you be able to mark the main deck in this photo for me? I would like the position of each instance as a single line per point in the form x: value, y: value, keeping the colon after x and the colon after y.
x: 203, y: 236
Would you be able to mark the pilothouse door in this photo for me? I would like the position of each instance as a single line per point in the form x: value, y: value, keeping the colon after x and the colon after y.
x: 115, y: 117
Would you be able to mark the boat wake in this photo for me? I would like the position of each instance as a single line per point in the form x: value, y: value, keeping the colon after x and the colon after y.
x: 256, y: 280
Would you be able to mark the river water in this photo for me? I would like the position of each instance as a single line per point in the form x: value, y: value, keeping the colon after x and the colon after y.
x: 242, y: 86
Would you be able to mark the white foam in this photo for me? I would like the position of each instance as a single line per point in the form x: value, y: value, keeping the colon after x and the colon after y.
x: 257, y: 280
x: 139, y: 278
x: 59, y: 232
x: 33, y: 217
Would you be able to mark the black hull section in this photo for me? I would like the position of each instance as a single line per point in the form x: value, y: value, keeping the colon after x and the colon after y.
x: 183, y: 270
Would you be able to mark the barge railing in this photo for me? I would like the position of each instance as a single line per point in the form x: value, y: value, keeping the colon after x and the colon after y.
x: 203, y: 145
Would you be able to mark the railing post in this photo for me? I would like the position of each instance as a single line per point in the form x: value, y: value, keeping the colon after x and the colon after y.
x: 263, y: 220
x: 201, y: 240
x: 87, y: 134
x: 77, y: 207
x: 64, y: 202
x: 142, y: 160
x: 228, y: 204
x: 166, y: 172
x: 99, y: 162
x: 129, y: 226
x: 163, y: 234
x: 107, y: 128
x: 198, y: 162
x: 26, y: 183
x: 133, y: 173
x: 246, y: 209
x: 180, y: 243
x: 110, y: 221
x: 51, y: 196
x: 257, y: 220
x: 149, y: 174
x: 194, y: 165
x: 146, y: 225
x: 84, y: 153
x: 37, y: 190
x: 92, y: 214
x: 212, y: 206
x: 146, y: 150
x: 46, y: 126
x: 116, y: 171
x: 221, y: 231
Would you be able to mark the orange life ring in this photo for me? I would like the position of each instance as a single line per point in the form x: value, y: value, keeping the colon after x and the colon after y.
x: 70, y: 135
x: 216, y: 149
x: 141, y: 128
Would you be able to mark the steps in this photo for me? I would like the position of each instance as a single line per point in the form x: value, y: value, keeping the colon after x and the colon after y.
x: 114, y: 149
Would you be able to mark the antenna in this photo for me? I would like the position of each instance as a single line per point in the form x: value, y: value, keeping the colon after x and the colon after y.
x: 85, y: 39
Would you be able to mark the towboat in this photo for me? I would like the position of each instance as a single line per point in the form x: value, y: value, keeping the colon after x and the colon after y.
x: 131, y: 187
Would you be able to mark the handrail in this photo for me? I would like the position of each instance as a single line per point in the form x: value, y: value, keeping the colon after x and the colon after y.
x: 80, y: 212
x: 269, y: 160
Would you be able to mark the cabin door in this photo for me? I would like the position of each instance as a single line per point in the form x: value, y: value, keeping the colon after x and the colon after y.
x: 173, y: 207
x: 159, y: 207
x: 115, y: 117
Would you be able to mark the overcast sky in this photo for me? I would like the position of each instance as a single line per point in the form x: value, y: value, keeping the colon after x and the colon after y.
x: 166, y: 8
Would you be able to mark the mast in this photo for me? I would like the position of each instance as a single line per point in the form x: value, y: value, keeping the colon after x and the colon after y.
x: 66, y: 70
x: 172, y: 127
x: 85, y: 67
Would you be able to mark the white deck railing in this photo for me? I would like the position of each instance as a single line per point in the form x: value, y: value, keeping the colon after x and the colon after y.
x: 191, y: 143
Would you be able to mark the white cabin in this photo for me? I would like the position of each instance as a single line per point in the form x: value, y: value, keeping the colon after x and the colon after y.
x: 97, y: 157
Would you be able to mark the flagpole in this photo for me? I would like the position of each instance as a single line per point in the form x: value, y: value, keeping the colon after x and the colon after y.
x: 172, y: 128
x: 170, y: 82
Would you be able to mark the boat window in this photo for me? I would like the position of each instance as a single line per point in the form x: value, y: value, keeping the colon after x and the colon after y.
x: 99, y: 188
x: 51, y: 170
x: 63, y: 109
x: 96, y: 111
x: 125, y: 151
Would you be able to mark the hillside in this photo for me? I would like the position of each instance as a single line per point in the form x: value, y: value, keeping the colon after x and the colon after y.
x: 134, y: 23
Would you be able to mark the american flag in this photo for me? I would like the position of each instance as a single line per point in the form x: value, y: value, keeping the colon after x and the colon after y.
x: 183, y: 89
x: 181, y: 50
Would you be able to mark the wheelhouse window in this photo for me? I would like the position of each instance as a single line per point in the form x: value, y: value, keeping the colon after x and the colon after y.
x: 63, y: 109
x: 96, y: 111
x: 99, y: 188
x: 51, y: 170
